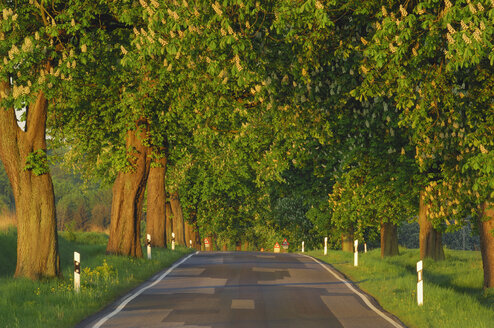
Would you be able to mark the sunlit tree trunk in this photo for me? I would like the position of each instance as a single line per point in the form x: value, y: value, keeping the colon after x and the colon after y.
x: 347, y: 241
x: 168, y: 223
x: 389, y: 239
x: 128, y: 196
x: 191, y: 234
x: 37, y: 240
x: 430, y: 240
x: 156, y: 202
x: 486, y: 231
x: 178, y: 219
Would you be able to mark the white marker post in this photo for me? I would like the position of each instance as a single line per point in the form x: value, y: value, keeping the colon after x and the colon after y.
x: 325, y: 245
x: 149, y: 246
x: 173, y: 241
x: 303, y: 244
x: 190, y: 243
x: 355, y: 254
x: 77, y: 272
x: 420, y: 284
x: 365, y: 247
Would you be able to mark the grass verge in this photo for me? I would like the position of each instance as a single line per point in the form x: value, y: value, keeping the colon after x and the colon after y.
x: 453, y: 295
x: 53, y: 303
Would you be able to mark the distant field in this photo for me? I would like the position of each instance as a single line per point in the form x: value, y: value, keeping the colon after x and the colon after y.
x: 24, y: 303
x: 453, y: 295
x: 7, y: 221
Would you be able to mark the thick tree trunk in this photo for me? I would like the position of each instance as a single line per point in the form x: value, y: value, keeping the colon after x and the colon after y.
x: 156, y: 200
x: 178, y: 219
x: 168, y: 223
x: 347, y: 241
x: 389, y: 239
x: 128, y: 196
x: 37, y: 240
x: 430, y: 240
x: 486, y: 231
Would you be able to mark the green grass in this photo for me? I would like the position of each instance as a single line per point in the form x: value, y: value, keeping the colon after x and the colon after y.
x: 53, y: 303
x: 453, y: 295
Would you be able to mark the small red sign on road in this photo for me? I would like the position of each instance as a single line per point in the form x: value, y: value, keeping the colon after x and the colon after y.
x: 206, y: 241
x: 276, y: 248
x: 285, y: 242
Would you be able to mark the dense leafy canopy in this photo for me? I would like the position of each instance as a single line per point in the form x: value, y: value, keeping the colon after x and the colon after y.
x: 278, y: 119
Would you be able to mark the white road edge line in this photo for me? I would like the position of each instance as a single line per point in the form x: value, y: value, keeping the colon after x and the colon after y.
x: 362, y: 296
x: 139, y: 292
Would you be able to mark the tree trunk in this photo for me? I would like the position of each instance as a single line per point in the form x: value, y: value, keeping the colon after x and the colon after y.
x: 430, y: 240
x: 190, y: 234
x: 128, y: 196
x: 486, y: 231
x: 156, y: 200
x: 347, y: 241
x: 168, y: 223
x: 37, y: 239
x: 389, y: 239
x: 178, y: 219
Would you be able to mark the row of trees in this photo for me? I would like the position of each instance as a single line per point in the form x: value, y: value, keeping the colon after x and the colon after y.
x: 385, y: 106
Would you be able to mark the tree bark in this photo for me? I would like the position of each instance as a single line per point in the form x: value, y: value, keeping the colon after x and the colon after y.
x: 128, y: 196
x: 156, y: 200
x: 430, y: 240
x: 178, y: 219
x: 168, y: 223
x: 486, y: 231
x: 347, y: 241
x: 37, y: 239
x: 191, y: 234
x: 389, y: 239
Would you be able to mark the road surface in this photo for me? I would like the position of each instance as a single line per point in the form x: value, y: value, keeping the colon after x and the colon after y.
x: 243, y: 289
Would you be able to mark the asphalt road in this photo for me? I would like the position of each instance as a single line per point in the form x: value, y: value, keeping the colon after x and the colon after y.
x: 243, y: 289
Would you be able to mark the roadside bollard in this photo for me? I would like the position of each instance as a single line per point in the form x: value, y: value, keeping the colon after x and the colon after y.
x: 420, y: 284
x: 355, y: 254
x: 365, y: 247
x: 325, y: 245
x: 77, y: 272
x: 173, y: 241
x: 190, y: 243
x: 303, y: 244
x: 149, y: 246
